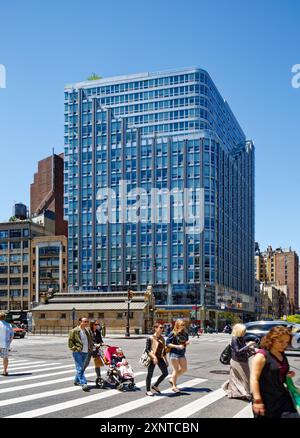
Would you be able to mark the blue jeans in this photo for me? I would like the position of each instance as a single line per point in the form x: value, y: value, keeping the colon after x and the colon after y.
x: 80, y: 359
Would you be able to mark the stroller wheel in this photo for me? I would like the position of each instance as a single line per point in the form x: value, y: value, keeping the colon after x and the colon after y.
x: 120, y: 387
x: 131, y: 385
x: 100, y: 383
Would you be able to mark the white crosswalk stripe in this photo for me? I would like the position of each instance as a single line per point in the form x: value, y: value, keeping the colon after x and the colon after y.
x: 47, y: 394
x: 5, y: 380
x: 245, y: 413
x: 70, y: 404
x: 32, y: 365
x: 46, y: 382
x: 119, y: 410
x: 196, y: 406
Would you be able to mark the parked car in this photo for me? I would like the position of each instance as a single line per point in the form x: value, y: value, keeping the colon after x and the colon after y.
x: 257, y: 329
x: 18, y: 331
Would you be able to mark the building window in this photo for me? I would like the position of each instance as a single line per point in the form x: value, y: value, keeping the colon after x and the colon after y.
x: 90, y: 315
x: 101, y: 315
x: 43, y: 316
x: 119, y: 315
x: 63, y: 316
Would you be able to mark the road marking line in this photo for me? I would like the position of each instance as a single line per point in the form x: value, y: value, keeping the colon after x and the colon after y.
x: 32, y: 365
x: 45, y: 383
x: 16, y: 361
x: 197, y: 405
x: 245, y: 412
x: 72, y: 403
x: 135, y: 404
x: 45, y: 394
x: 2, y: 382
x: 36, y: 368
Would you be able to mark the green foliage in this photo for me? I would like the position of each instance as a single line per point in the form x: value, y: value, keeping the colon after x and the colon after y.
x: 94, y: 77
x: 12, y: 219
x: 230, y: 316
x: 293, y: 318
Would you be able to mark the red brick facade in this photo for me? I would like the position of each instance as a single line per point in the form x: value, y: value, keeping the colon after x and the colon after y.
x: 287, y: 272
x: 47, y: 191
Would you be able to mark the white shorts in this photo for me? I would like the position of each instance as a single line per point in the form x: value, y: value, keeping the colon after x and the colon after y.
x: 4, y: 353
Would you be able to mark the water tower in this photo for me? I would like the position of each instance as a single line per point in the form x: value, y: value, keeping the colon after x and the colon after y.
x: 20, y: 211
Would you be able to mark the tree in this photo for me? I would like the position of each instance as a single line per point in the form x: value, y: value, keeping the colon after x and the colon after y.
x: 230, y: 316
x: 94, y: 77
x: 293, y: 318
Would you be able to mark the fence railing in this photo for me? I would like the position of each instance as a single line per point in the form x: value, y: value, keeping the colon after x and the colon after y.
x: 51, y: 331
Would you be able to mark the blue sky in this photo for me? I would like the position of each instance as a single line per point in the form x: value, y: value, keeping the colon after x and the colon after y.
x: 248, y: 48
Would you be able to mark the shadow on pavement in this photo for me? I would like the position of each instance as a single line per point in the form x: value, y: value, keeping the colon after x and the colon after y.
x: 16, y: 375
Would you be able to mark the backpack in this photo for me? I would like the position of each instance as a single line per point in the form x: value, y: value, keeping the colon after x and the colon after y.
x: 226, y: 355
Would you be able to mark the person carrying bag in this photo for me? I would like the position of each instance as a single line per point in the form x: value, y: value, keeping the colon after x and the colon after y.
x: 156, y: 351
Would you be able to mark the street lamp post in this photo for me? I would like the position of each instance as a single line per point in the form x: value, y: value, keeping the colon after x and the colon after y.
x: 73, y: 316
x: 129, y: 297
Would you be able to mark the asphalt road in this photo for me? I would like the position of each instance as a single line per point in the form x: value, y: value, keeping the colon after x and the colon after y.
x: 40, y: 383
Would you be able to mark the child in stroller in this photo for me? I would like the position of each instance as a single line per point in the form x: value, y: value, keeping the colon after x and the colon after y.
x: 119, y: 372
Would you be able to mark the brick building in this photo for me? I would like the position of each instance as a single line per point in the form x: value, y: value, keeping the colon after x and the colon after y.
x: 282, y: 267
x: 46, y: 192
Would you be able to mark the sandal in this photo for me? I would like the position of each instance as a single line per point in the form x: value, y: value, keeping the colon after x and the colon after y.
x: 176, y: 390
x: 5, y: 374
x: 156, y: 389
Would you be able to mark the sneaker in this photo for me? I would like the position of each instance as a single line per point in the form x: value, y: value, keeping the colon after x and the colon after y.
x: 85, y: 388
x: 149, y: 393
x: 76, y: 384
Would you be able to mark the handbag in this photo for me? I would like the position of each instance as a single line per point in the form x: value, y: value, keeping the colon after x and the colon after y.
x: 145, y: 359
x: 294, y: 392
x: 226, y: 355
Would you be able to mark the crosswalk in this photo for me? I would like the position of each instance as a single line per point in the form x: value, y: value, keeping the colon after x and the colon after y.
x: 213, y: 338
x: 30, y: 392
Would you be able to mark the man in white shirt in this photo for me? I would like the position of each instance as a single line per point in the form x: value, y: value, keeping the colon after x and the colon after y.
x: 6, y: 336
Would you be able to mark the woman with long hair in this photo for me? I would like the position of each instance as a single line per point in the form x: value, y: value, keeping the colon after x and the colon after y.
x: 269, y: 370
x: 98, y: 342
x: 238, y: 385
x: 156, y: 349
x: 177, y: 341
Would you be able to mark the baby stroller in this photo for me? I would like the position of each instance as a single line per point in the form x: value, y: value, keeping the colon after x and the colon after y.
x: 120, y: 374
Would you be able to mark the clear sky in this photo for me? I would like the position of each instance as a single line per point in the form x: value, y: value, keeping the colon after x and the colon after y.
x: 248, y: 48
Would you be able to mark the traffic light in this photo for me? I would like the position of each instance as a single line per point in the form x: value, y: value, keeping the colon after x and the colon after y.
x: 129, y: 294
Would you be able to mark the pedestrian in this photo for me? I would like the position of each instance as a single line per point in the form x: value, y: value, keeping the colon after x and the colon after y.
x: 238, y: 385
x: 269, y: 370
x: 98, y: 342
x: 177, y: 341
x: 227, y: 329
x: 103, y: 329
x: 6, y: 337
x: 81, y: 344
x: 156, y: 349
x: 169, y: 329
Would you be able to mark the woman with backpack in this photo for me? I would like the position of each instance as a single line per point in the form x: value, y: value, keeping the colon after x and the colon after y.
x: 177, y: 341
x: 156, y: 350
x: 238, y: 385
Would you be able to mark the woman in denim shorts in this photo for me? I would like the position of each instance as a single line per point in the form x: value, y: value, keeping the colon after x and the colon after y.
x: 177, y: 342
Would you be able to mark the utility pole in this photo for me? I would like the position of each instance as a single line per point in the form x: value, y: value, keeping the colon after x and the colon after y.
x: 129, y: 298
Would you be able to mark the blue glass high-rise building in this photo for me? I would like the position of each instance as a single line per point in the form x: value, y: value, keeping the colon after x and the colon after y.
x: 160, y: 132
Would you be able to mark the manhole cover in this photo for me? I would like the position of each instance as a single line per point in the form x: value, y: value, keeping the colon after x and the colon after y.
x: 219, y: 372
